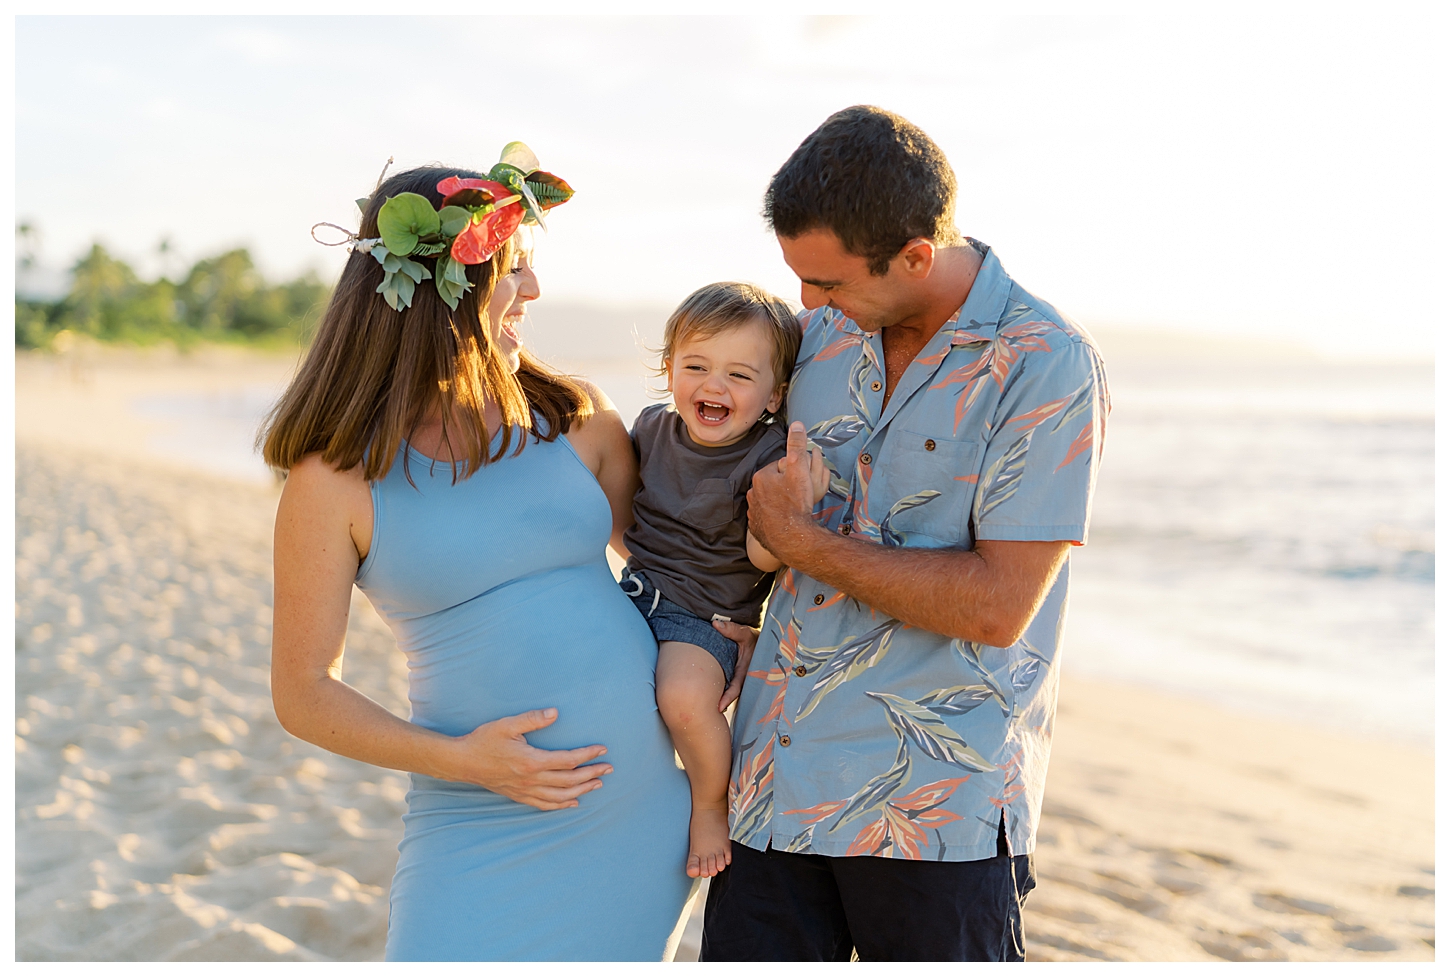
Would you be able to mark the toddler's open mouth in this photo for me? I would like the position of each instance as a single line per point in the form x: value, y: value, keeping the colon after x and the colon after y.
x: 711, y: 413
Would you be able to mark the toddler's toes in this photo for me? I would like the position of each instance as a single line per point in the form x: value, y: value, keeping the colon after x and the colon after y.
x: 694, y: 869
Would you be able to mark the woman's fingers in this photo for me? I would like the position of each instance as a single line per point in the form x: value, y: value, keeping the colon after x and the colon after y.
x: 572, y: 778
x: 525, y: 722
x: 568, y: 759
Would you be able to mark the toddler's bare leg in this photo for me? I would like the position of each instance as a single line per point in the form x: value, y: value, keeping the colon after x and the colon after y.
x: 688, y: 686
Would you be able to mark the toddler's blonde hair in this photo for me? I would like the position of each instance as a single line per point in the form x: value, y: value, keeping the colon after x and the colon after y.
x: 723, y: 306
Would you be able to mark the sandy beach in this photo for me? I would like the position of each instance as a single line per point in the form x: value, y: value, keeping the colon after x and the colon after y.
x: 163, y: 814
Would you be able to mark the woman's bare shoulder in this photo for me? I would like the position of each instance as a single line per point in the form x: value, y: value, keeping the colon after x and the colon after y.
x: 317, y: 498
x: 597, y: 397
x: 598, y: 435
x: 314, y: 481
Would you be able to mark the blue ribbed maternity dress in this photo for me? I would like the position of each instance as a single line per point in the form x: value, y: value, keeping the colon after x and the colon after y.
x: 498, y: 592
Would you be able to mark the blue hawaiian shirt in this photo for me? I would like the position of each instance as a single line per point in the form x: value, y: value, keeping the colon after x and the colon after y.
x: 858, y: 735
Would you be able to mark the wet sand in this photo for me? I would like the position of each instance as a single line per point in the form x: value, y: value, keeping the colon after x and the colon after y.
x: 162, y: 813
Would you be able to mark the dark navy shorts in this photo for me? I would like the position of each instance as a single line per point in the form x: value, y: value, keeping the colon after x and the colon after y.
x: 777, y: 906
x: 671, y: 622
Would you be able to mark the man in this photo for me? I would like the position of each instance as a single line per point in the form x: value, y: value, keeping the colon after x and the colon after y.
x: 892, y: 737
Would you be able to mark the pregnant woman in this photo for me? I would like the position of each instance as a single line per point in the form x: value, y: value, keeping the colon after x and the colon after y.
x: 470, y: 492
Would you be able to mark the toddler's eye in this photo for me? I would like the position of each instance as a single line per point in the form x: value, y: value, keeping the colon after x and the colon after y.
x: 741, y: 376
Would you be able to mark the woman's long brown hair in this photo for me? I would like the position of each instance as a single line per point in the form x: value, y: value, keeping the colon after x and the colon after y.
x: 373, y: 374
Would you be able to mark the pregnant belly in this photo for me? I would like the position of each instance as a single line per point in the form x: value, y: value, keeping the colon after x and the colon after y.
x: 568, y: 639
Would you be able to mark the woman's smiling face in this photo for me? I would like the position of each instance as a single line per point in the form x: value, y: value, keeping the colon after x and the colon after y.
x: 518, y: 287
x: 723, y: 383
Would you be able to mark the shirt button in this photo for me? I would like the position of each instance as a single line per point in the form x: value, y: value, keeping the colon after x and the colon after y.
x: 800, y: 670
x: 785, y: 741
x: 819, y: 599
x: 875, y: 384
x: 930, y: 445
x: 865, y: 458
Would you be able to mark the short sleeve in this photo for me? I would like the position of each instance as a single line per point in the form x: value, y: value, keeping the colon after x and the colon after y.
x: 1040, y: 466
x: 775, y: 452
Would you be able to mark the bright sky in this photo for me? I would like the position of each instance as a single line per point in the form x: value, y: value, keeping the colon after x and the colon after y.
x: 1236, y: 174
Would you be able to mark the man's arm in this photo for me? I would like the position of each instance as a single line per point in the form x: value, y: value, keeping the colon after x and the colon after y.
x: 988, y: 595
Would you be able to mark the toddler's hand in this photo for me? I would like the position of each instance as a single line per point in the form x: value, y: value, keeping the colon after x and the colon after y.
x: 820, y: 474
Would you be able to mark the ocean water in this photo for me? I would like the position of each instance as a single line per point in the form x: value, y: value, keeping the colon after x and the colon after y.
x: 1263, y: 537
x: 1262, y: 534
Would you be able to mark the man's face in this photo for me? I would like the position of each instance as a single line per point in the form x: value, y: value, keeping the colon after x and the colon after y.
x: 832, y: 276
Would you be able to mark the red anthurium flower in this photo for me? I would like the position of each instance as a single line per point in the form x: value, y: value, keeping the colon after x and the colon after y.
x: 477, y: 242
x: 453, y: 184
x: 452, y: 188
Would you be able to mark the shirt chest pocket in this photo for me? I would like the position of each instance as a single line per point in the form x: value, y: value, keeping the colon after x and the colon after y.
x: 711, y: 506
x: 922, y: 489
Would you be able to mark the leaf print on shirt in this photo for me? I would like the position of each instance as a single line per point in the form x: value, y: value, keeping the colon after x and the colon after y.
x: 875, y: 792
x: 1075, y: 403
x: 752, y: 796
x: 971, y: 653
x: 1081, y: 443
x: 1024, y: 673
x: 846, y: 662
x: 930, y: 733
x: 957, y: 700
x: 891, y: 537
x: 995, y: 361
x: 862, y: 523
x: 1002, y: 477
x: 836, y: 431
x: 846, y: 339
x: 857, y: 387
x: 785, y: 657
x: 901, y: 829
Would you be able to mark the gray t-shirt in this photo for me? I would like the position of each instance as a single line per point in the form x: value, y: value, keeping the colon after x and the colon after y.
x: 689, y: 515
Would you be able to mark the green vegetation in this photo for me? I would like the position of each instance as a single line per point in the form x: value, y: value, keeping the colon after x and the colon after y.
x: 221, y: 299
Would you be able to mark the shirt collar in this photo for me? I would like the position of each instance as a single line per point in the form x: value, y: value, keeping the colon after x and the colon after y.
x: 980, y: 314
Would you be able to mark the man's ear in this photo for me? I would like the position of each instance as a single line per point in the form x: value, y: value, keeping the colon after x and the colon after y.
x: 918, y: 256
x: 776, y: 399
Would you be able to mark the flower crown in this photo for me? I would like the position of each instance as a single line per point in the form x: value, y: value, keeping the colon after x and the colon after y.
x: 476, y: 218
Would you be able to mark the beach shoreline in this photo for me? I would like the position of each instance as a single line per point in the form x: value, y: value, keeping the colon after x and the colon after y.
x: 161, y: 812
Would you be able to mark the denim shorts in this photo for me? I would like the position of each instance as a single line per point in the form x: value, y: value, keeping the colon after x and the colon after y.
x: 671, y: 622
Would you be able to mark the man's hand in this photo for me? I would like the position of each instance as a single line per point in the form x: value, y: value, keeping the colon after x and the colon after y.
x: 496, y: 756
x: 781, y: 497
x: 745, y: 638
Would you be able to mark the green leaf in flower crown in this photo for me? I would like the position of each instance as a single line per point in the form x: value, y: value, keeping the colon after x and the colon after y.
x: 520, y: 155
x: 452, y: 280
x: 507, y: 174
x: 362, y: 203
x: 404, y: 219
x: 413, y: 270
x: 429, y: 249
x: 453, y: 220
x: 548, y: 189
x: 391, y: 288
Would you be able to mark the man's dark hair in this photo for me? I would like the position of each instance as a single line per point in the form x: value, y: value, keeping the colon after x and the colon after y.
x: 873, y: 179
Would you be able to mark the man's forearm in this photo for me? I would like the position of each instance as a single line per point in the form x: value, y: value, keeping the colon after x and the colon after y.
x: 959, y: 593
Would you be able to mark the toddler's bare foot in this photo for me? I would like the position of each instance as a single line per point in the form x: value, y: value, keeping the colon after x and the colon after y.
x: 709, y: 842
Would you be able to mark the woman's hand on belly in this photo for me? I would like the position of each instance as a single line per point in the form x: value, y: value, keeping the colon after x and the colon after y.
x: 496, y: 756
